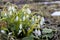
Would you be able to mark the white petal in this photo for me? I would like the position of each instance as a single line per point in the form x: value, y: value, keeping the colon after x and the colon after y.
x: 9, y: 8
x: 16, y: 18
x: 5, y: 14
x: 39, y: 32
x: 23, y: 18
x: 20, y: 26
x: 27, y: 16
x: 39, y: 17
x: 10, y: 13
x: 42, y: 21
x: 12, y: 38
x: 19, y: 32
x: 35, y: 32
x: 10, y: 33
x: 28, y: 11
x: 32, y: 18
x: 2, y: 31
x: 13, y: 9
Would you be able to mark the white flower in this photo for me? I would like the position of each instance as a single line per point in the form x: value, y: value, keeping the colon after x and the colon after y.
x: 10, y: 13
x: 10, y: 33
x: 23, y: 18
x: 39, y: 32
x: 16, y: 18
x: 2, y: 31
x: 42, y: 21
x: 32, y: 18
x: 27, y: 16
x: 20, y: 26
x: 5, y: 14
x: 19, y: 32
x: 11, y: 8
x: 35, y: 32
x: 12, y: 38
x: 28, y: 11
x: 39, y: 17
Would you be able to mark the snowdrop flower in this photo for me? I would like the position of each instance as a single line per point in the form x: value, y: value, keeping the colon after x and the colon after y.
x: 27, y: 16
x: 10, y: 13
x: 10, y: 33
x: 19, y: 32
x: 16, y: 18
x: 42, y: 21
x: 2, y: 31
x: 37, y: 32
x: 28, y: 28
x: 24, y: 18
x: 11, y: 8
x: 20, y: 26
x: 5, y: 14
x: 39, y: 17
x: 12, y: 38
x: 28, y: 11
x: 32, y: 18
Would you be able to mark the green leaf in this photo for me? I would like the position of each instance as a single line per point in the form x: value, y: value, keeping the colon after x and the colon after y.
x: 48, y: 35
x: 27, y: 38
x: 45, y: 30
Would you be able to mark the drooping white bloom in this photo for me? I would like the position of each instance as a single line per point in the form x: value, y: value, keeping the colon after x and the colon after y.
x: 42, y: 21
x: 39, y: 17
x: 28, y: 11
x: 16, y: 18
x: 5, y: 14
x: 2, y: 31
x: 57, y: 13
x: 27, y: 16
x: 12, y: 38
x: 19, y: 32
x: 10, y: 13
x: 10, y: 33
x: 11, y: 8
x: 20, y: 26
x: 32, y: 18
x: 39, y: 32
x: 24, y: 18
x: 35, y: 32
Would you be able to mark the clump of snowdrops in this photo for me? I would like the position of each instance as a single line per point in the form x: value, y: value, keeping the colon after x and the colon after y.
x: 22, y: 24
